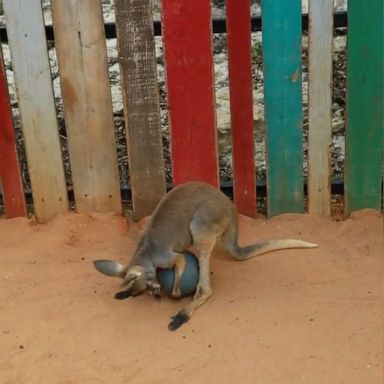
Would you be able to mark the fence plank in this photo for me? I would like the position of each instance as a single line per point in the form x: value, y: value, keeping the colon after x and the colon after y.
x: 365, y: 122
x: 10, y: 179
x: 187, y: 36
x: 241, y: 101
x: 82, y: 58
x: 141, y: 103
x: 320, y: 106
x: 28, y: 46
x: 283, y: 105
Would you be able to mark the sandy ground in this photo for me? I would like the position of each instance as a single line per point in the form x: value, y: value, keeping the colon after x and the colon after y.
x: 294, y: 316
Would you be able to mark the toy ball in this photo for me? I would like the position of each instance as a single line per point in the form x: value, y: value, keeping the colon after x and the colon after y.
x: 189, y: 278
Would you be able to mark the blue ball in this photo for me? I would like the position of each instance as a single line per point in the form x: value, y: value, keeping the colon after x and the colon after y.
x: 189, y: 278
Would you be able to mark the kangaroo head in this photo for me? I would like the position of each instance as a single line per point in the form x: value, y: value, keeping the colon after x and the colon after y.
x: 136, y: 279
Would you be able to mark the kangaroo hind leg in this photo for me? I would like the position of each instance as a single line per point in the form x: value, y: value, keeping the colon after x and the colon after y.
x: 204, y: 239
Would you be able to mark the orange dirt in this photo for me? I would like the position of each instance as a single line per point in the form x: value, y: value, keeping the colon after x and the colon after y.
x: 294, y: 316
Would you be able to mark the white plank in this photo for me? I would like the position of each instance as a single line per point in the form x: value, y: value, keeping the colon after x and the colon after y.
x: 319, y: 105
x: 81, y: 52
x: 28, y: 47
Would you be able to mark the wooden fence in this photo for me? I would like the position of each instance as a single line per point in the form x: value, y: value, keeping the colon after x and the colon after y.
x: 187, y: 38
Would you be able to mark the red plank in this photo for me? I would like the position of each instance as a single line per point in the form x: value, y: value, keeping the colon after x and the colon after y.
x: 10, y: 179
x: 241, y: 104
x: 187, y: 36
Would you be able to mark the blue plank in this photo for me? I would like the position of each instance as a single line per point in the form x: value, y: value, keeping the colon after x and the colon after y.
x: 283, y: 105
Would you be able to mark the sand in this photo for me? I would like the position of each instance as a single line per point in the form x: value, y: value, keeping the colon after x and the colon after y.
x: 293, y: 316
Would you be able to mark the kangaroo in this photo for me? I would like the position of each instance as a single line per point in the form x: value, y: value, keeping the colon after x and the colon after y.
x: 192, y: 214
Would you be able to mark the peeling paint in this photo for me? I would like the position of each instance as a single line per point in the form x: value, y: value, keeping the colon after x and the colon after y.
x: 295, y: 76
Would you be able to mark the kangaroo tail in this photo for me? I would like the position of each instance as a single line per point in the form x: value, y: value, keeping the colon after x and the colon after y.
x: 254, y: 250
x: 244, y: 253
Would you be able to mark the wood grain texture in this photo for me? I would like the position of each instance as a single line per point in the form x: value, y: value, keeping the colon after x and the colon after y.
x: 320, y: 106
x: 141, y: 104
x: 241, y: 104
x: 10, y: 179
x: 82, y: 58
x: 187, y: 37
x: 283, y: 105
x: 28, y: 47
x: 365, y: 105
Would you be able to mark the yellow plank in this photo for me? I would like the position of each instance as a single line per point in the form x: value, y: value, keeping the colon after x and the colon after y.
x: 319, y: 106
x: 82, y: 57
x: 30, y: 63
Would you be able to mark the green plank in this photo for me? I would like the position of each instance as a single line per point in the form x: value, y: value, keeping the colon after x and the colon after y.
x: 283, y: 105
x: 364, y: 142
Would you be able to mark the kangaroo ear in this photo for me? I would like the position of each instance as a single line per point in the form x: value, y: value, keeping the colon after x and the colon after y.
x: 110, y: 268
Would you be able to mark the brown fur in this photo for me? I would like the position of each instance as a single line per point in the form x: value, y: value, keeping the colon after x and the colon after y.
x: 193, y: 214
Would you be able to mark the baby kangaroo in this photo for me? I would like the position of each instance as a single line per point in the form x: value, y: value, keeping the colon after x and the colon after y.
x: 193, y: 214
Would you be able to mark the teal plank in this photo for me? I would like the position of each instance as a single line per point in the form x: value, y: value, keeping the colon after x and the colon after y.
x: 365, y: 122
x: 283, y: 104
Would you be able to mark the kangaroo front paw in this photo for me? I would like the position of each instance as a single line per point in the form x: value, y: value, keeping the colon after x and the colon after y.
x: 154, y: 290
x: 157, y: 291
x: 178, y: 321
